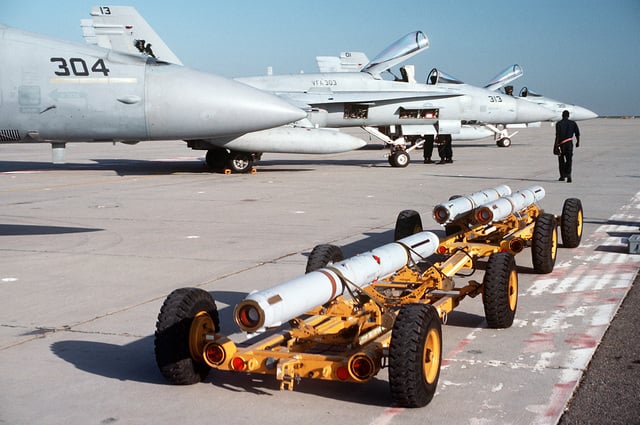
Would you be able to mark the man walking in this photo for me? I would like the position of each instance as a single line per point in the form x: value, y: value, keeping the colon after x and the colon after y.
x: 565, y: 130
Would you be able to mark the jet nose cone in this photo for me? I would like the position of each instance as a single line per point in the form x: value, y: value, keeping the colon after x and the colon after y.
x: 531, y: 112
x: 580, y: 113
x: 182, y: 103
x: 260, y: 108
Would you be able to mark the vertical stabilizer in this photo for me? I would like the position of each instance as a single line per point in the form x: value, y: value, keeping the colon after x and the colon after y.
x: 121, y: 28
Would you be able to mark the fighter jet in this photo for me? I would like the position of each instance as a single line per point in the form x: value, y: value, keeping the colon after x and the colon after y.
x: 400, y: 108
x: 56, y: 92
x: 577, y: 113
x: 386, y: 109
x: 122, y: 29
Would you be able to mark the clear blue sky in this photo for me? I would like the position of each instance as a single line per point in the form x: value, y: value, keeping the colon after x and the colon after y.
x: 585, y: 52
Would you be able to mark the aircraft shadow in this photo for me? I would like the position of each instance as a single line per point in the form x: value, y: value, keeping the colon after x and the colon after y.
x: 122, y: 167
x: 32, y: 230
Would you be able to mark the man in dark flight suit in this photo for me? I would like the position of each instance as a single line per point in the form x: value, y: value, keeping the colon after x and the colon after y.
x: 565, y: 130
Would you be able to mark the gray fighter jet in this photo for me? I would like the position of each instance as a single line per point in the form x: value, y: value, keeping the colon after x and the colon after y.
x: 122, y: 29
x: 391, y: 110
x: 402, y: 108
x: 57, y: 92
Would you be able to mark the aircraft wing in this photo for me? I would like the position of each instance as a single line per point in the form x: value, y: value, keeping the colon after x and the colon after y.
x: 121, y: 28
x: 325, y: 98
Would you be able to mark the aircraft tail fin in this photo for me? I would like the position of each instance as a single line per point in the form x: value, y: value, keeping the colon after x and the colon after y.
x: 346, y: 62
x: 123, y: 29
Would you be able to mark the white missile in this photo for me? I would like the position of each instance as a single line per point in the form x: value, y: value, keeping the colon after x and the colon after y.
x: 463, y: 205
x: 505, y: 206
x: 289, y: 139
x: 272, y: 307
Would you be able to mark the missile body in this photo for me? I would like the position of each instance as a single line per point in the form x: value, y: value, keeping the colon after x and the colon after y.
x: 505, y: 206
x: 463, y: 205
x: 289, y: 139
x: 274, y: 306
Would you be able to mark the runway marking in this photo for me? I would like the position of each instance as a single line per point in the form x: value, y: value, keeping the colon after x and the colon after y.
x: 589, y: 289
x: 585, y: 292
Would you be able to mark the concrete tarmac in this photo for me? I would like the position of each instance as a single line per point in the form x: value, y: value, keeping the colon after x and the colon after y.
x: 91, y: 249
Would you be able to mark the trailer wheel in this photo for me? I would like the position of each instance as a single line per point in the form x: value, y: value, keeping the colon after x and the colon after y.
x: 415, y: 354
x: 323, y: 255
x: 184, y: 309
x: 544, y: 246
x: 408, y: 223
x: 571, y: 223
x: 500, y: 295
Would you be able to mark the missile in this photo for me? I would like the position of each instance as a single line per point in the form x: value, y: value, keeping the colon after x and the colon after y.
x: 288, y: 139
x: 507, y: 205
x: 463, y: 205
x: 272, y: 307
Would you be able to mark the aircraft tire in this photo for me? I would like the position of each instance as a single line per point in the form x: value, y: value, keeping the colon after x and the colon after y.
x: 504, y: 143
x: 323, y: 255
x: 544, y: 245
x: 415, y: 355
x: 408, y: 223
x: 399, y: 159
x: 216, y: 158
x: 173, y: 332
x: 500, y: 295
x: 571, y: 223
x: 240, y: 162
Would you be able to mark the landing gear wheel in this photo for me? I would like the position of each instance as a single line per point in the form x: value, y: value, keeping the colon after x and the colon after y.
x: 323, y: 255
x: 185, y: 316
x: 216, y: 158
x: 399, y: 159
x: 544, y: 246
x: 408, y: 223
x: 415, y: 354
x: 571, y: 223
x: 500, y: 295
x: 504, y: 143
x: 240, y: 162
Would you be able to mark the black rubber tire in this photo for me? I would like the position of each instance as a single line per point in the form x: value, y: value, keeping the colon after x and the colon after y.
x: 240, y: 162
x: 544, y: 246
x: 500, y: 294
x: 415, y: 355
x: 399, y: 159
x: 172, y: 335
x: 323, y: 255
x: 216, y: 158
x: 571, y: 223
x: 408, y: 223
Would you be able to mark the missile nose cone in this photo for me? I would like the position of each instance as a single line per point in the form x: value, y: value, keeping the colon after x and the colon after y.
x: 531, y: 112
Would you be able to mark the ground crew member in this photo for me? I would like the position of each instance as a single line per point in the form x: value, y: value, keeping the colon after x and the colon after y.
x: 563, y: 147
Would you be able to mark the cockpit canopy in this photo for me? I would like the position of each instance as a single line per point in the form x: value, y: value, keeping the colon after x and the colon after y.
x: 436, y: 76
x: 399, y: 51
x: 524, y: 92
x: 505, y: 77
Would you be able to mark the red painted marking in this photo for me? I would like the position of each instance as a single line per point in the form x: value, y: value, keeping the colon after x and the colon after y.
x: 559, y: 397
x: 539, y: 342
x: 581, y: 341
x: 453, y: 353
